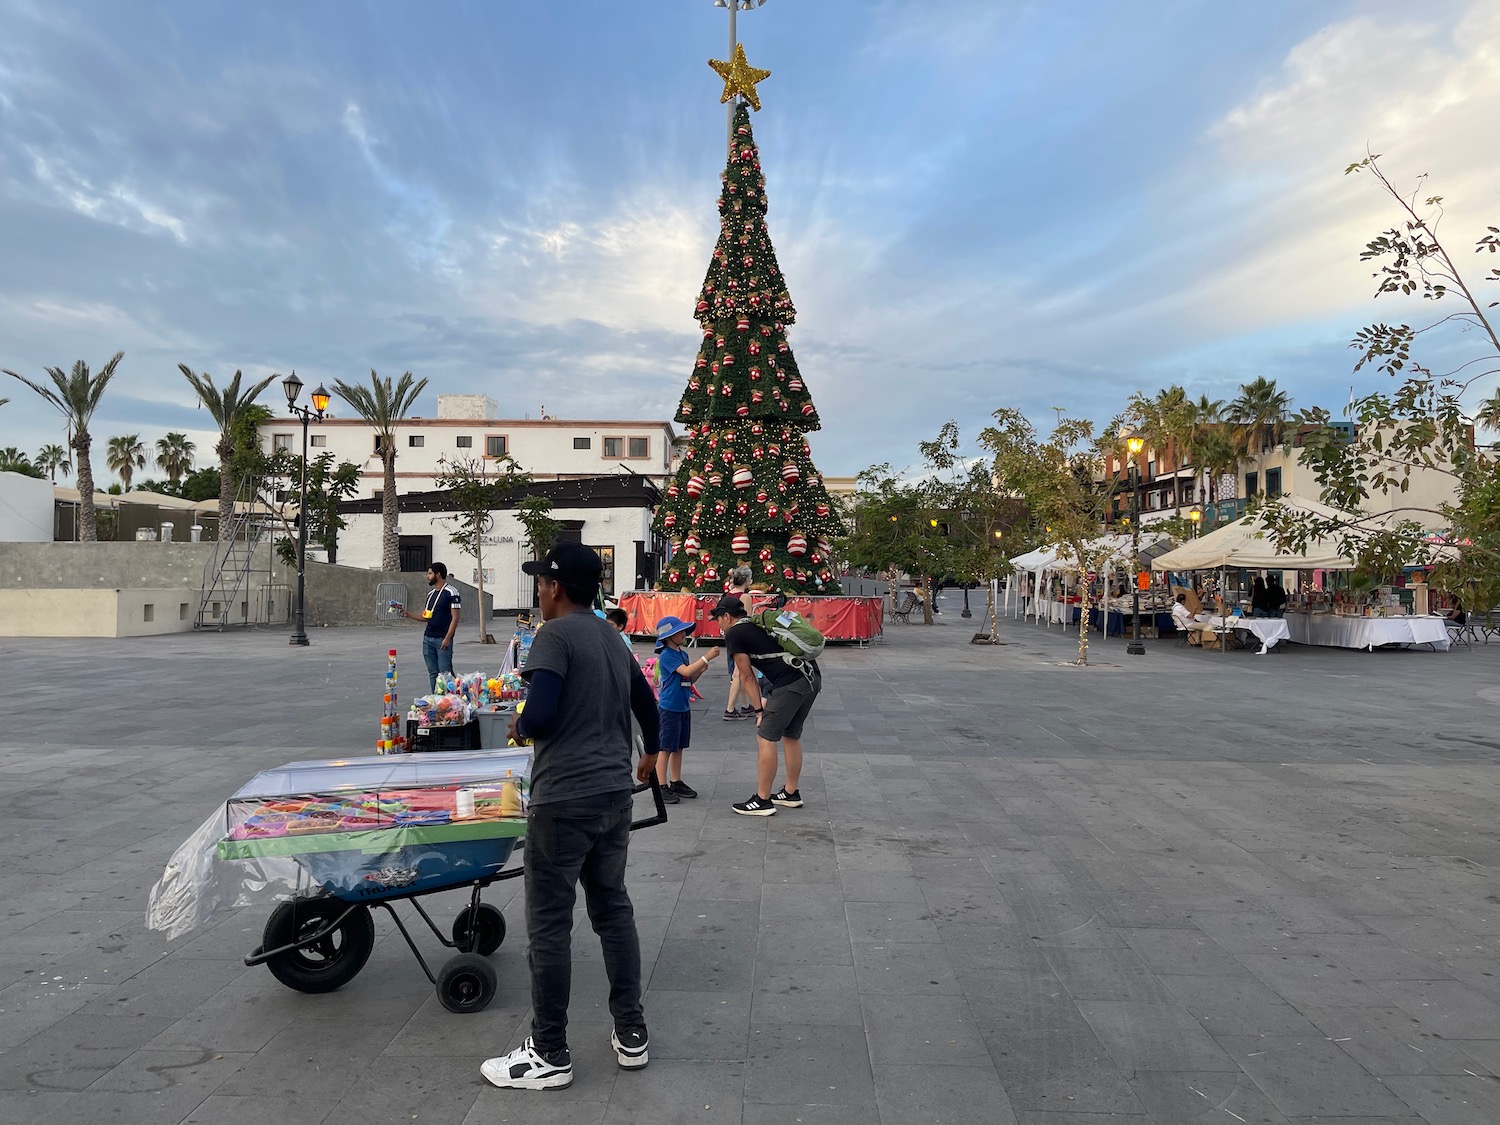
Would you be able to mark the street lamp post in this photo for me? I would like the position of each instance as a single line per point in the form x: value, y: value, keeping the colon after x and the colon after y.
x: 1135, y: 445
x: 293, y: 387
x: 735, y: 7
x: 1195, y: 514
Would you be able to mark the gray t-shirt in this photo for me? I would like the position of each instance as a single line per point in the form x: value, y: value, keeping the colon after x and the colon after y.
x: 588, y: 751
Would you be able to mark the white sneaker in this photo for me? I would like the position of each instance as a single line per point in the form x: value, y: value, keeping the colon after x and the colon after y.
x: 526, y: 1069
x: 630, y: 1048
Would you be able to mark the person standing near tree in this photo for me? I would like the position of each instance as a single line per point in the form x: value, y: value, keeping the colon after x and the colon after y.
x: 441, y: 615
x: 583, y: 688
x: 795, y: 687
x: 739, y: 587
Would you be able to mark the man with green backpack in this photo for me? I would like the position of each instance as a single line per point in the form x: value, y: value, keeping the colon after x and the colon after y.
x: 784, y: 648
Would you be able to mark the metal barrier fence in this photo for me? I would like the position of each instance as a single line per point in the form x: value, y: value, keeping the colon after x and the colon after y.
x: 385, y: 594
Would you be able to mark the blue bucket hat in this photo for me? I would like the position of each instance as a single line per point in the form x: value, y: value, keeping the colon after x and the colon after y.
x: 670, y: 627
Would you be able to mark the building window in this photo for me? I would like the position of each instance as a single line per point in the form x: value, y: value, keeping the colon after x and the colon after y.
x: 640, y: 447
x: 416, y: 441
x: 319, y: 440
x: 1273, y: 482
x: 583, y: 443
x: 607, y: 576
x: 281, y: 441
x: 495, y: 445
x: 377, y: 443
x: 614, y: 446
x: 1252, y: 484
x: 464, y: 441
x: 1150, y: 470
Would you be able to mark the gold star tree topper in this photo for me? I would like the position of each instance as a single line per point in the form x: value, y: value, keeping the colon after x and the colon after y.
x: 739, y: 76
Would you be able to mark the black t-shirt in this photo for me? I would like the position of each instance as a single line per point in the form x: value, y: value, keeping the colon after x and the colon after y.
x: 753, y: 641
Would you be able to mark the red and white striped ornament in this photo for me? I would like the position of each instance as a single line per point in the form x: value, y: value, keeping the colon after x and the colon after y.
x: 743, y: 324
x: 695, y: 486
x: 790, y: 473
x: 740, y: 544
x: 823, y: 510
x: 692, y: 542
x: 743, y: 478
x: 797, y: 544
x: 807, y: 410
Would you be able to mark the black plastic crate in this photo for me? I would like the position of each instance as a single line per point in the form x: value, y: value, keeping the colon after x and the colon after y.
x: 427, y: 740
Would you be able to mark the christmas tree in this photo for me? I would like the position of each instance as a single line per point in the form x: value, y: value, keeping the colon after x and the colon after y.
x: 747, y: 492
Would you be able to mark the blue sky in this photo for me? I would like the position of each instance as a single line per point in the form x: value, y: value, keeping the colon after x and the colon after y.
x: 977, y: 203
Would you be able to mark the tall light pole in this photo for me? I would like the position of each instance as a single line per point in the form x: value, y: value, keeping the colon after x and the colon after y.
x: 735, y: 7
x: 293, y: 387
x: 1135, y: 445
x: 1195, y: 514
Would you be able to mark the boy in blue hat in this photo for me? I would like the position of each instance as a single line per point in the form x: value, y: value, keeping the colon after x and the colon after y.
x: 676, y: 673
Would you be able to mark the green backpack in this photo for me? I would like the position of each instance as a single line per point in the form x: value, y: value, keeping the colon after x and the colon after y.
x: 800, y: 642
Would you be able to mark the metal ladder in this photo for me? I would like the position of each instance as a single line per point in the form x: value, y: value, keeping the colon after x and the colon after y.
x: 226, y: 576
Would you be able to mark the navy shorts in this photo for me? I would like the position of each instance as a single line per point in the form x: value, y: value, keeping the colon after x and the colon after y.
x: 676, y: 730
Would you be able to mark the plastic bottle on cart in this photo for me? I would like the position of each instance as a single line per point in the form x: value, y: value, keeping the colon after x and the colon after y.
x: 510, y: 796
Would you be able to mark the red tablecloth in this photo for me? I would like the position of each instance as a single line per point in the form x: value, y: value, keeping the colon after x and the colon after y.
x: 837, y: 618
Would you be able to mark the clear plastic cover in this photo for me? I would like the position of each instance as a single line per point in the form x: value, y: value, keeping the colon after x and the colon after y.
x: 359, y: 829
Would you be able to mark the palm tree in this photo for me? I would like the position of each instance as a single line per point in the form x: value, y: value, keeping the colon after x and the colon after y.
x: 10, y: 455
x: 227, y: 405
x: 51, y: 459
x: 1487, y: 415
x: 127, y: 453
x: 1204, y: 420
x: 382, y: 406
x: 75, y: 395
x: 1259, y: 416
x: 174, y: 456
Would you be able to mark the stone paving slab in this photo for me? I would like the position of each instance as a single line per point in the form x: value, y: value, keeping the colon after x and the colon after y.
x: 1184, y: 887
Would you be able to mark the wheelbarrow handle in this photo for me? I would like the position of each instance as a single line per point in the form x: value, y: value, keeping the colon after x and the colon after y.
x: 661, y: 806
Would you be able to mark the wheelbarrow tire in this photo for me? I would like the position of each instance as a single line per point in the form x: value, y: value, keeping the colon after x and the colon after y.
x: 466, y: 984
x: 330, y: 963
x: 491, y: 926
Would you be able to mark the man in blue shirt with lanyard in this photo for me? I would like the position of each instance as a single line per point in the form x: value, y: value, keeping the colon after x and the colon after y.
x: 441, y: 615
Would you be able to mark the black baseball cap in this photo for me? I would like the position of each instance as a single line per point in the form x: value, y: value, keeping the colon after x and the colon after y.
x: 572, y: 564
x: 729, y: 603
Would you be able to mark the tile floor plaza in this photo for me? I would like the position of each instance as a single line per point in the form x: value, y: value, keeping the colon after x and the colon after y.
x: 1185, y: 887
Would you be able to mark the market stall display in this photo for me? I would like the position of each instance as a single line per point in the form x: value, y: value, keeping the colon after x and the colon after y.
x: 336, y: 837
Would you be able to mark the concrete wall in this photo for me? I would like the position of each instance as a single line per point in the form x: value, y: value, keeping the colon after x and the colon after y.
x: 114, y: 566
x: 345, y: 595
x: 58, y: 612
x: 25, y: 509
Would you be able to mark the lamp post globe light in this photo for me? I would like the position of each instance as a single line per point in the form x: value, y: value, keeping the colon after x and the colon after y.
x: 1195, y: 514
x: 293, y: 388
x: 1135, y: 444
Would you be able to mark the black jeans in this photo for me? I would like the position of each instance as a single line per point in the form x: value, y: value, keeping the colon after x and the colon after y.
x: 569, y: 842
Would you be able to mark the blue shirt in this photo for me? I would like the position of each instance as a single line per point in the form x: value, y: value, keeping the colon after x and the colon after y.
x: 440, y: 607
x: 674, y: 689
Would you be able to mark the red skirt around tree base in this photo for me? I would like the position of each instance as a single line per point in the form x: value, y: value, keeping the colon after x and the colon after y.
x: 839, y: 618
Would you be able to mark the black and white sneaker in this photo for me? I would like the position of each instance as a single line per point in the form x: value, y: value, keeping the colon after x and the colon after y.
x: 792, y: 800
x: 732, y: 716
x: 683, y: 789
x: 526, y: 1068
x: 669, y: 795
x: 748, y: 712
x: 755, y: 806
x: 630, y: 1047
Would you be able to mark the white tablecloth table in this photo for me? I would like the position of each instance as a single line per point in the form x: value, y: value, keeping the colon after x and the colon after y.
x: 1368, y: 633
x: 1268, y: 630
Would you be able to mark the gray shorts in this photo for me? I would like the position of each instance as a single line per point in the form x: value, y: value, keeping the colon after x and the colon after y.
x: 788, y: 707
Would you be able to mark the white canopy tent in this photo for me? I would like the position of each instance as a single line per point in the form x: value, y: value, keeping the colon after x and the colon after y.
x: 1246, y: 544
x: 1059, y: 559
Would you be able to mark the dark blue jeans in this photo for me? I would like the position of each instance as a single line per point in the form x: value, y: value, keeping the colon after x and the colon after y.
x: 569, y: 842
x: 437, y: 659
